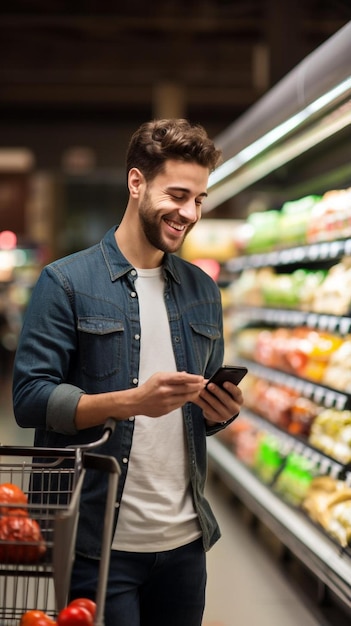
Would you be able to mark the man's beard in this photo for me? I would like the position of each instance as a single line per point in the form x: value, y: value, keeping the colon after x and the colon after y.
x: 152, y: 228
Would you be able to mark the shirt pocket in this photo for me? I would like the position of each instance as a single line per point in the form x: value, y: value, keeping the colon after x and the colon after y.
x: 100, y: 340
x: 203, y: 335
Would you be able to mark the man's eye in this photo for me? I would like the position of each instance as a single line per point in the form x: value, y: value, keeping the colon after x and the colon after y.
x: 177, y: 197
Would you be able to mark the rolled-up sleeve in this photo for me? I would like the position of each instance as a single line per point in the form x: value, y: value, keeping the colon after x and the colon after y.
x: 61, y: 409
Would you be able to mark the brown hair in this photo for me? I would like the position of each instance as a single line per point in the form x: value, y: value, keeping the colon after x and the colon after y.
x: 159, y: 140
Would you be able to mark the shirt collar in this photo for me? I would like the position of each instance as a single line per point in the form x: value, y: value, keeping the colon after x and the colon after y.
x: 118, y: 265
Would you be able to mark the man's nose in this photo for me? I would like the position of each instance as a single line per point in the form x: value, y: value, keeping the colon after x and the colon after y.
x: 190, y: 211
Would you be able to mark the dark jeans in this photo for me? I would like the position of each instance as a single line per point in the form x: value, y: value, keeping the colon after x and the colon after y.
x: 148, y: 589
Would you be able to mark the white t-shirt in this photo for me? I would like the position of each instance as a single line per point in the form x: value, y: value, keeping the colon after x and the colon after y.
x: 156, y: 511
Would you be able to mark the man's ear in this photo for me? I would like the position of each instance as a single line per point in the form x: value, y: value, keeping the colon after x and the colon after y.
x: 135, y: 182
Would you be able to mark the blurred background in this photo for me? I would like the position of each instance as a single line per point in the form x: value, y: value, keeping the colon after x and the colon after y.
x: 78, y: 78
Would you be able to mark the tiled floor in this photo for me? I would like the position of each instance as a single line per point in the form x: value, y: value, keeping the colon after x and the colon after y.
x: 248, y: 585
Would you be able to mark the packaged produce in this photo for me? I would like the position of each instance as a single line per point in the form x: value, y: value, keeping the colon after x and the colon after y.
x: 264, y: 231
x: 328, y: 502
x: 295, y: 478
x: 338, y: 371
x: 331, y: 217
x: 301, y: 351
x: 269, y: 458
x: 331, y: 433
x: 294, y: 221
x: 243, y: 439
x: 333, y: 295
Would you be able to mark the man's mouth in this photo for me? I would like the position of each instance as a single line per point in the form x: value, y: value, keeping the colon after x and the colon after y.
x: 179, y: 227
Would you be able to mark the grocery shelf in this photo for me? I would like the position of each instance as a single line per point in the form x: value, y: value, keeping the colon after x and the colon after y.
x: 310, y: 159
x: 340, y: 324
x: 330, y: 398
x: 312, y: 253
x: 292, y: 443
x: 326, y: 559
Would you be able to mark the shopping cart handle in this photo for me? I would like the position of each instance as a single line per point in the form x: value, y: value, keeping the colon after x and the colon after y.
x: 110, y: 426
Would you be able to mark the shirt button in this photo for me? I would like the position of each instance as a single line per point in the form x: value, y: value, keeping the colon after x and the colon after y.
x: 137, y: 337
x: 135, y: 381
x: 131, y: 418
x: 125, y: 460
x: 133, y: 294
x: 133, y: 272
x: 117, y: 505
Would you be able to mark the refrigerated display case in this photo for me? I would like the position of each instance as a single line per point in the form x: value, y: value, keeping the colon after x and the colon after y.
x: 293, y: 146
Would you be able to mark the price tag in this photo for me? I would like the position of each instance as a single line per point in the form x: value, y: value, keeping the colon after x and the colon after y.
x: 324, y: 250
x: 313, y: 252
x: 336, y: 248
x: 333, y: 323
x: 323, y: 322
x: 318, y: 394
x: 329, y: 399
x: 340, y: 401
x: 344, y: 325
x: 324, y: 466
x: 312, y: 320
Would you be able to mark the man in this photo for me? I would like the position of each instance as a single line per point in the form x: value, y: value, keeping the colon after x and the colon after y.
x: 127, y: 329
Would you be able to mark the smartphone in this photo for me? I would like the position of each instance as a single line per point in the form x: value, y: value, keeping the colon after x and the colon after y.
x: 232, y: 373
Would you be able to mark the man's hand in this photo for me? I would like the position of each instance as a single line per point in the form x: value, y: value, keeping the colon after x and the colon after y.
x: 218, y: 405
x: 164, y: 392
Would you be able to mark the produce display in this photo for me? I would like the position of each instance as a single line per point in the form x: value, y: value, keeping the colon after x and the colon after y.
x: 282, y: 406
x: 330, y: 218
x: 331, y: 433
x: 338, y: 372
x: 294, y: 479
x: 301, y: 351
x: 21, y: 540
x: 328, y: 502
x: 243, y: 439
x: 333, y: 295
x: 269, y: 459
x: 318, y: 291
x: 303, y: 221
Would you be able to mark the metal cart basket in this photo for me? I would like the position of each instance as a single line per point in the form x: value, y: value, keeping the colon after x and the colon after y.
x: 35, y: 568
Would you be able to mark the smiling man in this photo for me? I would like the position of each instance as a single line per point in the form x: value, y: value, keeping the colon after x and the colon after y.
x: 127, y: 329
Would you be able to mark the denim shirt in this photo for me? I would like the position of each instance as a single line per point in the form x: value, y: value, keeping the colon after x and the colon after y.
x: 81, y: 334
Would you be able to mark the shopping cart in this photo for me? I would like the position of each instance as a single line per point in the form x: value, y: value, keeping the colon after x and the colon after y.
x: 36, y: 574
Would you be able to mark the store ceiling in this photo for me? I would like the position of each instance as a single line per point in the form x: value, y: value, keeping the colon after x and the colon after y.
x: 206, y: 59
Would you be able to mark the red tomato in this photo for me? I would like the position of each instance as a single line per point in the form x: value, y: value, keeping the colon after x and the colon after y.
x: 85, y: 603
x: 74, y: 616
x: 11, y: 494
x: 36, y: 618
x: 21, y: 540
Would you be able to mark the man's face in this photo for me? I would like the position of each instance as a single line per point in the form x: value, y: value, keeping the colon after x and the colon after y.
x: 171, y: 204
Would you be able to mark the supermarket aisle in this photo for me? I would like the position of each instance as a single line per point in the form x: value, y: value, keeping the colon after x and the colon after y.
x: 248, y: 582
